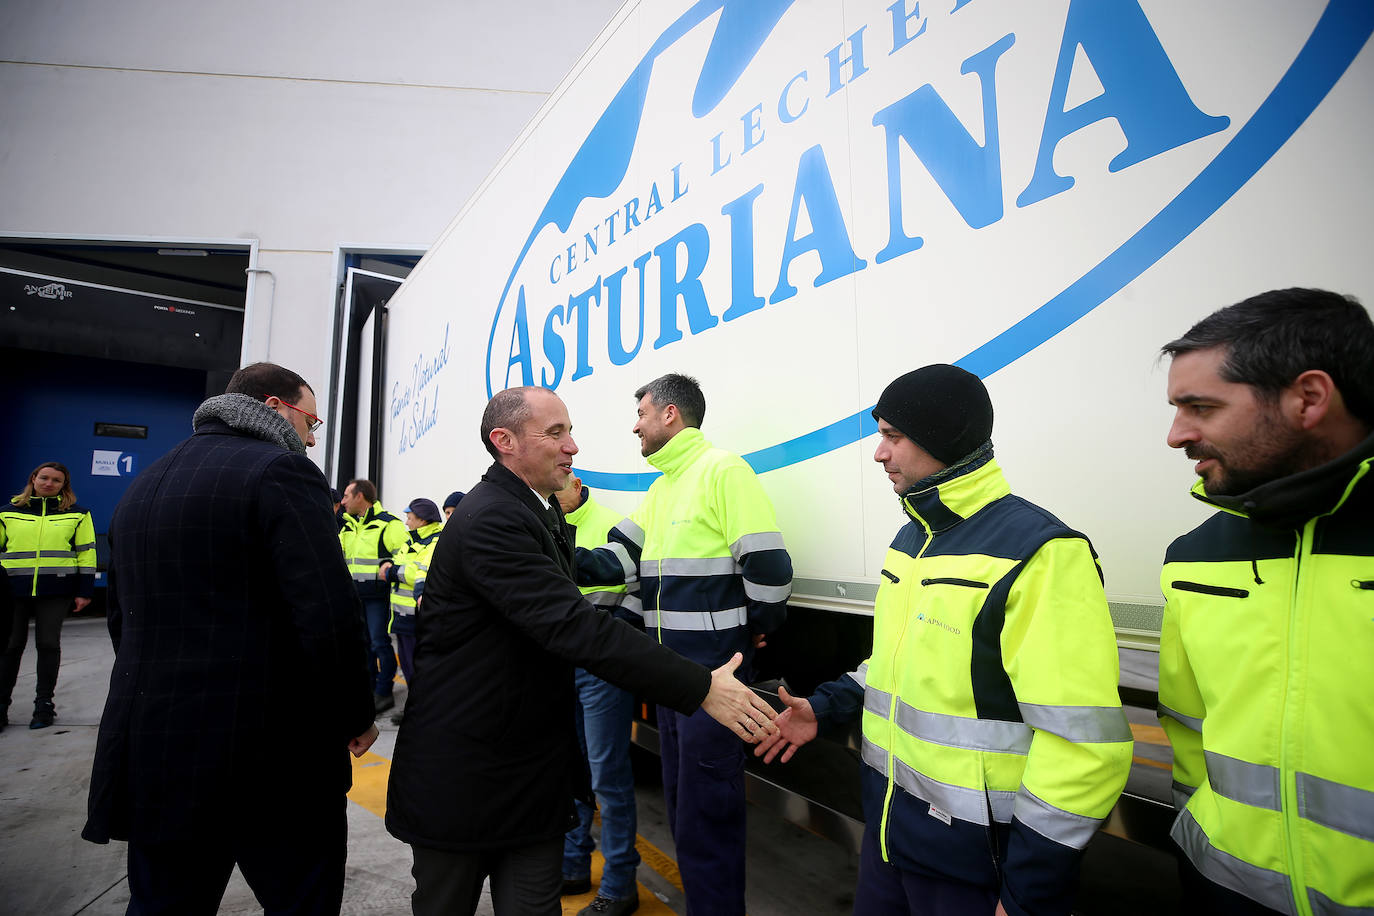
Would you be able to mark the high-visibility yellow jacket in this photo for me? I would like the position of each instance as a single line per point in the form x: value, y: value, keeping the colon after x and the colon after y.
x: 409, y: 567
x: 712, y: 567
x: 369, y: 540
x: 993, y: 735
x: 1266, y: 689
x: 47, y: 552
x: 594, y: 522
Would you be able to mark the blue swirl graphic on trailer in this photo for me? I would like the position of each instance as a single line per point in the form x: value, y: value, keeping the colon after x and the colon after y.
x: 601, y: 163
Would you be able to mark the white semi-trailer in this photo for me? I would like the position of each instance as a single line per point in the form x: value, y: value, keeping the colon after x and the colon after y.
x: 797, y: 200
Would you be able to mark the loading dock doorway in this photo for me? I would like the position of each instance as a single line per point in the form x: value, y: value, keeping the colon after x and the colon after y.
x: 106, y: 349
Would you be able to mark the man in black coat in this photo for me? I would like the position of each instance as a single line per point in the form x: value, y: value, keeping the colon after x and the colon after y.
x: 240, y: 678
x: 487, y: 762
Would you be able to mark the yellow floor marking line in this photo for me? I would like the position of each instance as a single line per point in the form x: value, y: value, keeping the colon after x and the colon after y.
x: 371, y: 772
x: 1150, y: 734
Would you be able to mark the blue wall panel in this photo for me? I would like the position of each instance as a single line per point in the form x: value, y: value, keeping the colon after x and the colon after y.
x: 52, y: 403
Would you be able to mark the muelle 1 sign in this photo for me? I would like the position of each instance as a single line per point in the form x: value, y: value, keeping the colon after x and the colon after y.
x: 109, y: 463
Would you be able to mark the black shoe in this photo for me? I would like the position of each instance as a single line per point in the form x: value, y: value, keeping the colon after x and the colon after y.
x: 605, y: 906
x: 43, y: 714
x: 574, y: 886
x: 381, y: 702
x: 398, y: 717
x: 4, y: 718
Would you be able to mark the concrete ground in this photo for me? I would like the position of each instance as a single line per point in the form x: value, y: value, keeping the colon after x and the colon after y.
x: 46, y: 868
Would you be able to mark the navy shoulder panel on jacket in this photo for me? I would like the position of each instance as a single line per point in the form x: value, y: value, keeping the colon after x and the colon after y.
x: 1229, y: 538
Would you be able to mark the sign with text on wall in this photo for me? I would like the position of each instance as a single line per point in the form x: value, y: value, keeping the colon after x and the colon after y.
x: 110, y: 463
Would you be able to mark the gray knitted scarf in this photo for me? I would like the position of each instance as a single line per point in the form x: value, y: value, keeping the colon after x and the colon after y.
x: 251, y: 416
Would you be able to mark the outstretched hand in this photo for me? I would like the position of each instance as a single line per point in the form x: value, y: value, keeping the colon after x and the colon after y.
x: 796, y: 725
x: 735, y: 706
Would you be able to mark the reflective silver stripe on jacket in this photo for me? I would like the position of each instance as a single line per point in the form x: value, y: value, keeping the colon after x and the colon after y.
x: 632, y: 532
x: 1180, y: 718
x: 752, y: 543
x: 364, y: 577
x: 622, y: 556
x: 1323, y: 905
x: 771, y: 594
x: 364, y: 561
x: 633, y: 605
x: 878, y: 702
x: 860, y: 675
x: 995, y: 735
x: 1248, y: 783
x: 19, y: 555
x: 605, y: 599
x: 1079, y: 724
x: 403, y: 610
x: 697, y: 621
x: 90, y: 545
x: 1063, y: 827
x: 1336, y: 805
x: 57, y: 554
x: 404, y: 591
x: 55, y: 570
x: 690, y: 566
x: 1181, y: 792
x: 1271, y: 888
x: 958, y: 801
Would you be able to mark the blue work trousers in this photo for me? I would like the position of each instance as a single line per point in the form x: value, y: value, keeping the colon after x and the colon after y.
x: 886, y: 890
x: 703, y: 787
x: 603, y: 729
x: 377, y: 613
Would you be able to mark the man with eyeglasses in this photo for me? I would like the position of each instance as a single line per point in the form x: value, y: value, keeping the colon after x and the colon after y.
x: 228, y: 599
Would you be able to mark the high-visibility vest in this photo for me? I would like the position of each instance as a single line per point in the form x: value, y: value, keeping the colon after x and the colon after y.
x: 991, y: 692
x: 369, y: 540
x: 594, y: 522
x: 712, y: 565
x: 411, y: 567
x: 47, y: 551
x: 1266, y: 690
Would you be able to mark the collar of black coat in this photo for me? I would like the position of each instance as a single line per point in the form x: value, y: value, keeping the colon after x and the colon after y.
x: 1292, y: 501
x: 249, y: 416
x: 501, y: 476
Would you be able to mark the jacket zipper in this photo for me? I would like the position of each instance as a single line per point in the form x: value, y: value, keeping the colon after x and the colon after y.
x: 38, y: 546
x: 1288, y: 786
x: 892, y: 708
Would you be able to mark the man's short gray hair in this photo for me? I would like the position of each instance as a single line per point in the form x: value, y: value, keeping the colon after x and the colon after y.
x: 507, y: 409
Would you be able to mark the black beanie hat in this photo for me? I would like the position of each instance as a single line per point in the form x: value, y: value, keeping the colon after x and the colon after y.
x: 943, y: 409
x: 454, y: 499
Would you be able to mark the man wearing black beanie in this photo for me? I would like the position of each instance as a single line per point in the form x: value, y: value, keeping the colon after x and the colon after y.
x: 993, y: 738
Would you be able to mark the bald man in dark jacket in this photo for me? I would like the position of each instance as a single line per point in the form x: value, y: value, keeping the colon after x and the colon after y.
x: 487, y: 762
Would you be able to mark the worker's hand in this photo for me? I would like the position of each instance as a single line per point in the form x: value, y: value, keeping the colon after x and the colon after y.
x: 760, y: 640
x: 359, y: 745
x: 80, y: 605
x: 735, y: 706
x: 796, y: 725
x: 381, y: 570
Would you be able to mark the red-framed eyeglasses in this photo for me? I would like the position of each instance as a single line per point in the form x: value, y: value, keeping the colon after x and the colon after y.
x: 315, y: 422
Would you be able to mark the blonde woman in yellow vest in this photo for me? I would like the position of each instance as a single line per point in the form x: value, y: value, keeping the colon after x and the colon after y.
x: 47, y: 547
